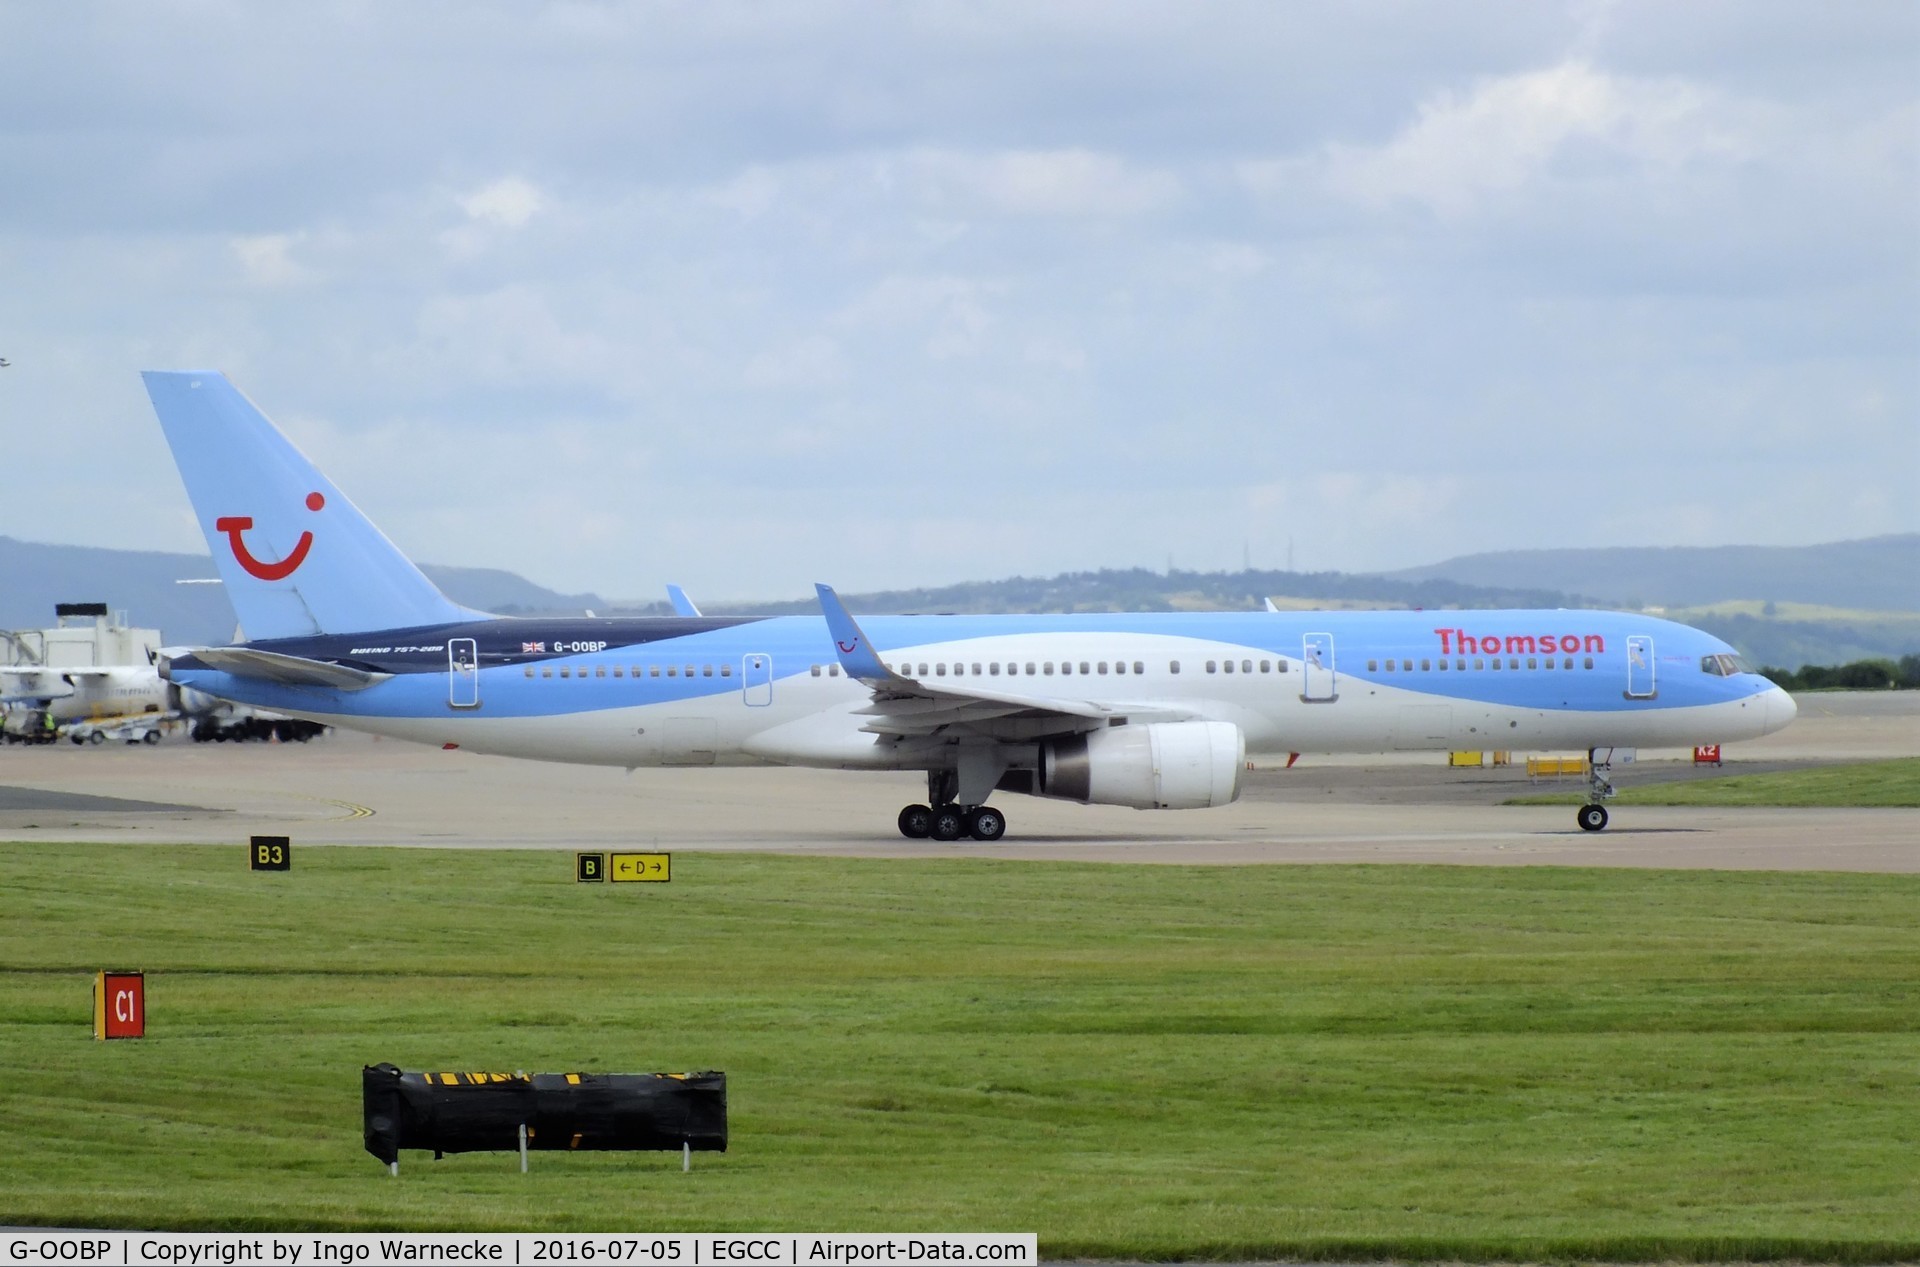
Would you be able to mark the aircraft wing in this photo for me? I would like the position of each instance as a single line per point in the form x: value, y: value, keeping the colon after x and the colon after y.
x: 289, y: 670
x: 37, y: 683
x: 910, y: 706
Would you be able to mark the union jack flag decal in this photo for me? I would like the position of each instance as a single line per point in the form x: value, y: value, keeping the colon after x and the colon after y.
x: 529, y: 648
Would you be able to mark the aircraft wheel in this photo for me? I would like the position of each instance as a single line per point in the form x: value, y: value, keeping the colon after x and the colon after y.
x: 948, y: 822
x: 915, y: 822
x: 1592, y: 817
x: 986, y: 823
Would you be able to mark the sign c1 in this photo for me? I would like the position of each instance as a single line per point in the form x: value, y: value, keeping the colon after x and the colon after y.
x: 120, y: 1005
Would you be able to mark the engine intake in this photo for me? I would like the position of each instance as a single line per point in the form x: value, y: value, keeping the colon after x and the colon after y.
x: 1162, y: 765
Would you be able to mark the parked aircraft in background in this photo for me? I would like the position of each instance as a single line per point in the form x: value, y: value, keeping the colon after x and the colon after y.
x: 1150, y: 710
x: 93, y: 694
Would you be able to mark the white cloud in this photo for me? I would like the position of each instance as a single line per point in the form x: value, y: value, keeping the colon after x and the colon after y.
x: 1052, y: 183
x: 268, y: 261
x: 1483, y: 149
x: 812, y: 361
x: 506, y: 204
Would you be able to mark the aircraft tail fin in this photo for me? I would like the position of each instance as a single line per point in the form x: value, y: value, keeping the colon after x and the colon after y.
x: 297, y: 557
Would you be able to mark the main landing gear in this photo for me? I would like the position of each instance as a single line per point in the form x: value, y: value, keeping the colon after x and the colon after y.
x: 950, y: 822
x: 1593, y: 815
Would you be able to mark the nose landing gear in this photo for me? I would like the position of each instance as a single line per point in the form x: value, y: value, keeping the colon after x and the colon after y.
x: 1593, y: 815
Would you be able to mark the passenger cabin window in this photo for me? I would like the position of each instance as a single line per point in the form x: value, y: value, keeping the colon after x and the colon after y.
x: 833, y: 670
x: 653, y: 670
x: 1263, y: 666
x: 1213, y: 666
x: 1173, y: 666
x: 816, y: 670
x: 1373, y: 666
x: 1029, y: 668
x: 1228, y: 666
x: 726, y: 670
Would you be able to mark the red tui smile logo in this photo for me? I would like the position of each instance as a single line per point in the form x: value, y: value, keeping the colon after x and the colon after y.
x: 234, y: 525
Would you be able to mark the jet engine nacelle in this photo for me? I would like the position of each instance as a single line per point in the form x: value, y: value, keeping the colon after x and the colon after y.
x: 1162, y: 765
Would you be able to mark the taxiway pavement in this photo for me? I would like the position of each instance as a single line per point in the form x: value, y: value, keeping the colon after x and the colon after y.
x: 349, y: 789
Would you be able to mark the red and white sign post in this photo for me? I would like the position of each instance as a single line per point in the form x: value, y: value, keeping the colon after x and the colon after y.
x: 120, y: 1005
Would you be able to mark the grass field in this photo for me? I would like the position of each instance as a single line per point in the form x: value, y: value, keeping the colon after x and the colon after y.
x: 1351, y: 1062
x: 1867, y: 784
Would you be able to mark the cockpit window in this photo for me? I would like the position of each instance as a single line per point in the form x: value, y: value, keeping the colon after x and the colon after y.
x: 1724, y: 665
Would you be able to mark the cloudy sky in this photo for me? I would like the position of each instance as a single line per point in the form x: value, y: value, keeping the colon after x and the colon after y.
x: 748, y: 296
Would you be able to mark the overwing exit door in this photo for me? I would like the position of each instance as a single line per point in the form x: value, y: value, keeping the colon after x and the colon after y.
x: 756, y: 680
x: 1316, y: 660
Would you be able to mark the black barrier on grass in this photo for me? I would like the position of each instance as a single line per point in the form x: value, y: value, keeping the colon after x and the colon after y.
x: 483, y: 1112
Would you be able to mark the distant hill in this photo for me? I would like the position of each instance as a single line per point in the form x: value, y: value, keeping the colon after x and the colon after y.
x: 144, y: 584
x: 1880, y: 574
x: 1791, y: 622
x: 1137, y: 589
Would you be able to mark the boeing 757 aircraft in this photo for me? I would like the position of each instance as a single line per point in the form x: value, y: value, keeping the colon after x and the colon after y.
x: 1151, y: 710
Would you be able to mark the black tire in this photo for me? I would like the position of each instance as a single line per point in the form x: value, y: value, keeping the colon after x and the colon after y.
x: 97, y: 737
x: 915, y: 822
x: 150, y: 738
x: 986, y: 823
x: 1592, y: 817
x: 949, y: 823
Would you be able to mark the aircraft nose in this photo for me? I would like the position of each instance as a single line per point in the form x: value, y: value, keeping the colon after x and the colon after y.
x: 1780, y: 709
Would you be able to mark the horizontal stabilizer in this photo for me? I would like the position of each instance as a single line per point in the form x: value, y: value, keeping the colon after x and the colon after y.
x: 290, y: 670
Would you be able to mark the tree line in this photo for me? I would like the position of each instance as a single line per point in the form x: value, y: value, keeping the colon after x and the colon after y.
x: 1862, y: 675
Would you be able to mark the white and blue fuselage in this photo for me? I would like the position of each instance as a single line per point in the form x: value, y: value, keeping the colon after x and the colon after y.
x: 1152, y: 710
x: 679, y: 691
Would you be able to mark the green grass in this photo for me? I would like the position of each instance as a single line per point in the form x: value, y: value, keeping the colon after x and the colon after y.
x: 1347, y: 1062
x: 1868, y: 785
